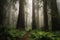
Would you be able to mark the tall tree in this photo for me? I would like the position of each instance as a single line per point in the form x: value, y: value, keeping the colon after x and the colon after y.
x: 21, y: 20
x: 54, y: 13
x: 3, y: 12
x: 33, y: 15
x: 49, y: 15
x: 2, y: 18
x: 37, y: 14
x: 45, y: 15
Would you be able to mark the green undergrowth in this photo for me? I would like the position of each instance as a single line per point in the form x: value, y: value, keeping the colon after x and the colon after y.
x: 41, y: 35
x: 12, y: 34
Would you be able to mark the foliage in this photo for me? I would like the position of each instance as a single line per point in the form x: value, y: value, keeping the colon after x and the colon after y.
x: 12, y: 34
x: 15, y: 33
x: 40, y: 35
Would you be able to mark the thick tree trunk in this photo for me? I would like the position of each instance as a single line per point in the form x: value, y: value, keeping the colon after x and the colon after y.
x: 54, y: 14
x: 2, y: 19
x: 2, y: 13
x: 21, y: 20
x: 45, y: 15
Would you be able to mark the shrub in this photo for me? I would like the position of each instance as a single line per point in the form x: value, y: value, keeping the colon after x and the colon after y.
x: 13, y: 34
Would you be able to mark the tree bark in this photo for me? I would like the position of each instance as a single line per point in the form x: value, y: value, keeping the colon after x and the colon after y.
x: 21, y: 19
x: 45, y: 15
x: 54, y: 13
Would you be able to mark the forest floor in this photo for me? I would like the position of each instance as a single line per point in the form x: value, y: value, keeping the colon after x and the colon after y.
x: 14, y: 34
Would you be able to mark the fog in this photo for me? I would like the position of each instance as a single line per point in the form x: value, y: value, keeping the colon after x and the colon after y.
x: 58, y: 5
x: 28, y: 14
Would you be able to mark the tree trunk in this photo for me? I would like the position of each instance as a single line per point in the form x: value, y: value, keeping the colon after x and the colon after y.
x: 21, y: 19
x: 54, y: 14
x: 33, y: 16
x: 37, y: 14
x: 45, y: 15
x: 2, y: 14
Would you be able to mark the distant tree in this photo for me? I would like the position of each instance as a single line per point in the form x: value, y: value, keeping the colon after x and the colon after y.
x: 33, y: 15
x: 37, y: 13
x: 21, y: 19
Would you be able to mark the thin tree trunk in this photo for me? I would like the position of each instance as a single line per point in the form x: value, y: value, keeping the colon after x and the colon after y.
x: 37, y: 14
x: 33, y: 16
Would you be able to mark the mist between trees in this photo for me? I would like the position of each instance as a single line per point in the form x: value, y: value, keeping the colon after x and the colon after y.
x: 30, y: 14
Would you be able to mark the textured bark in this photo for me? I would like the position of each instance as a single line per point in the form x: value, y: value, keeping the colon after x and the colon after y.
x: 21, y: 20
